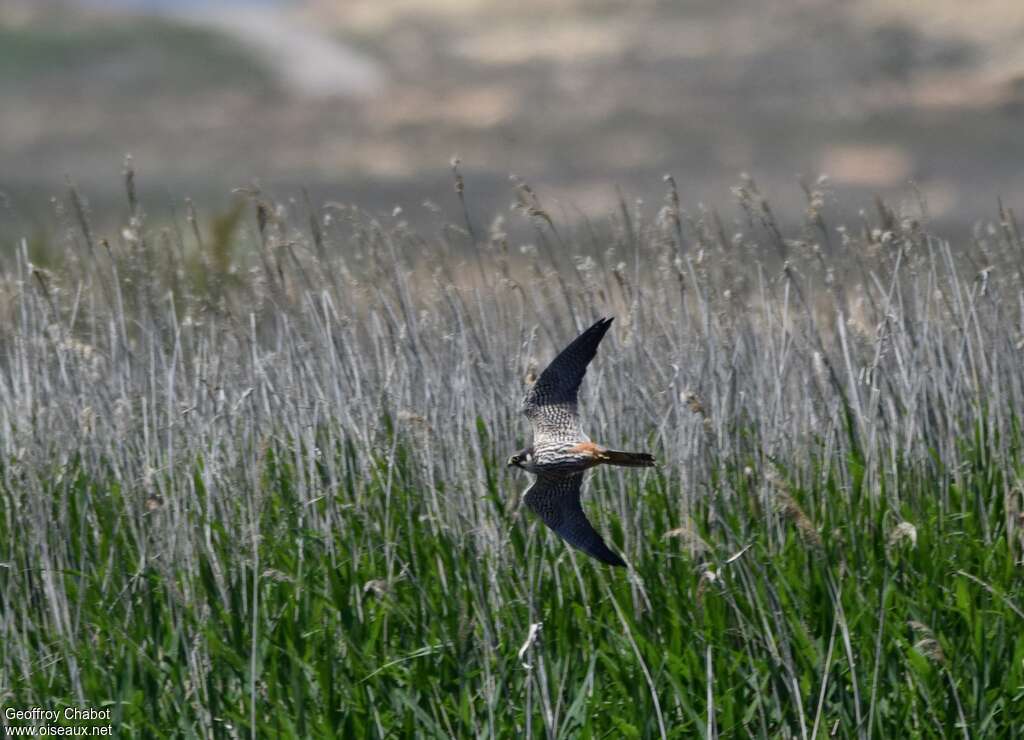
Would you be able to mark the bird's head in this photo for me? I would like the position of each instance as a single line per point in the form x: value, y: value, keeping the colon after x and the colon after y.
x: 521, y: 458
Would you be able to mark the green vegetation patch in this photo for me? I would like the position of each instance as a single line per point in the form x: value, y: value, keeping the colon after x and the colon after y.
x: 118, y: 56
x: 888, y: 619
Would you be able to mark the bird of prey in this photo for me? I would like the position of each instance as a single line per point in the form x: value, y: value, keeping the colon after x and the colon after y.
x: 561, y: 452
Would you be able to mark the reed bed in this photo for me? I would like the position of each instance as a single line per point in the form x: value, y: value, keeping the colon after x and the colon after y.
x: 252, y: 477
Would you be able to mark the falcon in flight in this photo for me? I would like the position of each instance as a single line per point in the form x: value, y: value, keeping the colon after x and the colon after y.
x: 561, y: 453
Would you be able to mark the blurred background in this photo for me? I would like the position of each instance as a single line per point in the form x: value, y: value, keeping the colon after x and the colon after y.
x: 367, y: 101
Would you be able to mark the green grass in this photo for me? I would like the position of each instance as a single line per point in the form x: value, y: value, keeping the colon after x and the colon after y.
x: 131, y: 56
x: 260, y: 491
x: 891, y: 637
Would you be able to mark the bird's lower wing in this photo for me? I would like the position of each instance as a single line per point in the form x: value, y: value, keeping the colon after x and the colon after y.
x: 557, y: 502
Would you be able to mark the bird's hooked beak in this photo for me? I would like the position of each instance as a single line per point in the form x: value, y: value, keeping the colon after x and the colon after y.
x: 514, y: 460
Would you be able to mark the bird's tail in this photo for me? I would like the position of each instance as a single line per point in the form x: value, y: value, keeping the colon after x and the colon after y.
x: 628, y: 459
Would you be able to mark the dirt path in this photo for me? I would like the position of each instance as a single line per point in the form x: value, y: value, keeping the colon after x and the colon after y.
x: 308, y: 61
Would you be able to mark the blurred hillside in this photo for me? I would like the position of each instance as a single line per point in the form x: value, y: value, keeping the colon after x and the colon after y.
x: 366, y: 101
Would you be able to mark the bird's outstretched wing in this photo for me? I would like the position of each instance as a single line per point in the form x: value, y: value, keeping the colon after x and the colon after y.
x: 550, y: 404
x: 557, y: 502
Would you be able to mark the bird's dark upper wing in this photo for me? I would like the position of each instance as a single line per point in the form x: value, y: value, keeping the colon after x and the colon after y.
x: 550, y: 404
x: 557, y: 502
